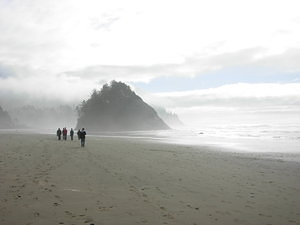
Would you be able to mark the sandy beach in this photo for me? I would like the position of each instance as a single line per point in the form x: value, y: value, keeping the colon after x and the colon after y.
x: 126, y: 181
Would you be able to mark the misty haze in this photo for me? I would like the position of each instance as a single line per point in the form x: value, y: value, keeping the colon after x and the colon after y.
x: 149, y: 112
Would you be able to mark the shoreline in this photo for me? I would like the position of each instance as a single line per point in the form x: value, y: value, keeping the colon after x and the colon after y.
x: 188, y: 137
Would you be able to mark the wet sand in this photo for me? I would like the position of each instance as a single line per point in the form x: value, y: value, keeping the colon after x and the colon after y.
x: 131, y: 181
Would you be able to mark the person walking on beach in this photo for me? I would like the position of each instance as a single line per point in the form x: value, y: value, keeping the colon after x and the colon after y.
x: 65, y: 132
x: 58, y: 133
x: 82, y: 137
x: 78, y: 134
x: 71, y: 134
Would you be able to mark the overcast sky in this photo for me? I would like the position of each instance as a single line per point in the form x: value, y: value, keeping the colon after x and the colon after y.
x: 193, y: 57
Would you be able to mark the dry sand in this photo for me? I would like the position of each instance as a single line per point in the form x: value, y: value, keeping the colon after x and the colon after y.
x: 116, y: 181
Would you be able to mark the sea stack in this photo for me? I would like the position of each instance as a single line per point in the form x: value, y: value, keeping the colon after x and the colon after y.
x: 117, y: 108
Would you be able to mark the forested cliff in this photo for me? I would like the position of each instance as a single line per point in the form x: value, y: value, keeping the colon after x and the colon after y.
x: 117, y: 108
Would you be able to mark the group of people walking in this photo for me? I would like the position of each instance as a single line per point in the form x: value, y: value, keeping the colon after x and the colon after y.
x: 64, y: 132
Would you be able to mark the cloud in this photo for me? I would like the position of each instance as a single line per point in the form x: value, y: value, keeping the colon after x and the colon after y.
x: 236, y: 103
x: 241, y: 95
x: 104, y: 23
x: 52, y: 35
x: 73, y: 35
x: 24, y: 86
x: 5, y: 71
x: 50, y: 50
x: 33, y: 84
x: 195, y: 65
x: 287, y: 61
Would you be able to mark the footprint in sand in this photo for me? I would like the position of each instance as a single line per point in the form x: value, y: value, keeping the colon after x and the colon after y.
x: 58, y: 198
x: 69, y: 213
x: 88, y: 220
x: 103, y: 208
x: 263, y: 215
x: 169, y: 216
x: 189, y: 206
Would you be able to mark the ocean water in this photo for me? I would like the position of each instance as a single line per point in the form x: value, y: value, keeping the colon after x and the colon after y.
x: 263, y: 138
x: 253, y: 138
x: 281, y: 141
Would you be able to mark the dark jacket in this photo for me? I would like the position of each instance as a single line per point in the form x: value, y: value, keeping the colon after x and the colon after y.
x: 82, y: 134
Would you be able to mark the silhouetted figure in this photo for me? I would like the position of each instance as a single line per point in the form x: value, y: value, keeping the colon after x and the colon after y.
x: 78, y: 134
x: 82, y: 137
x: 58, y: 133
x: 71, y: 134
x: 65, y: 132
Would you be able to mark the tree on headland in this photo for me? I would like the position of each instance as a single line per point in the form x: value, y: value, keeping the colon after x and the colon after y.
x: 117, y: 108
x: 5, y: 120
x: 170, y: 118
